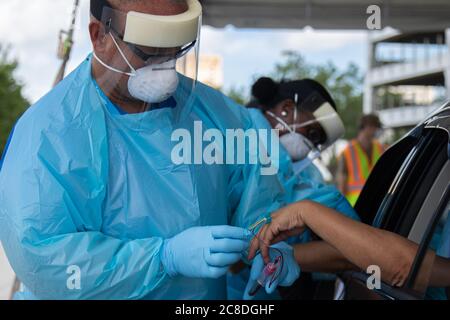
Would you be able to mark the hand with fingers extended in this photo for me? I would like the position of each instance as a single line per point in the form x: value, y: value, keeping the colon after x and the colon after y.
x: 287, y: 271
x: 204, y: 252
x: 286, y: 222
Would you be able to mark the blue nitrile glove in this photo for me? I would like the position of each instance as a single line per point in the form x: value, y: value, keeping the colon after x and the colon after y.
x: 286, y: 277
x: 204, y: 252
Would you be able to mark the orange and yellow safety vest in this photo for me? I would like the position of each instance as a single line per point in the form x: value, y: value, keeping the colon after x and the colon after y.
x: 359, y: 167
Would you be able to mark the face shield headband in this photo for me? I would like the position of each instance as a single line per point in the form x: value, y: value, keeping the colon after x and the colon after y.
x: 154, y: 39
x: 150, y: 30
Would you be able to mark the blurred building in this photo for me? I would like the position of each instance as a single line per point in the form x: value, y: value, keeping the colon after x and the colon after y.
x: 210, y: 69
x: 408, y: 75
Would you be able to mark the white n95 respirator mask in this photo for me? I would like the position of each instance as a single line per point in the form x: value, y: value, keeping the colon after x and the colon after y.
x: 154, y: 83
x: 295, y: 144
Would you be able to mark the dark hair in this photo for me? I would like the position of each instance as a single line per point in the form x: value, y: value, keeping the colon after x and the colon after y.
x: 253, y: 104
x: 268, y: 93
x: 369, y: 120
x: 265, y: 93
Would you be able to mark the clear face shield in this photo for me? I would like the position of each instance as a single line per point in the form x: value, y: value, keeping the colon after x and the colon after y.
x: 315, y: 127
x: 155, y: 58
x: 319, y: 122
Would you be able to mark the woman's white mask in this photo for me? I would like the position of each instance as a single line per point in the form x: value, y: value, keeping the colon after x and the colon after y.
x: 152, y: 84
x: 295, y: 145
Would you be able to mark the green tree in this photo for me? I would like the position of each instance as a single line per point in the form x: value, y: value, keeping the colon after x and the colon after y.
x: 293, y: 66
x: 12, y: 102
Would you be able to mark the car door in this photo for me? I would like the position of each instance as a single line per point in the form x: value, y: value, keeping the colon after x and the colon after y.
x: 356, y: 283
x: 406, y: 194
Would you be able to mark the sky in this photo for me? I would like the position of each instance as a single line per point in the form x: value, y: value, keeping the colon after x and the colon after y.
x: 31, y: 28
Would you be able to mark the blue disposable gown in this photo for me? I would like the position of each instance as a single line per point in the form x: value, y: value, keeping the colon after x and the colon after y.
x: 305, y: 185
x: 84, y: 186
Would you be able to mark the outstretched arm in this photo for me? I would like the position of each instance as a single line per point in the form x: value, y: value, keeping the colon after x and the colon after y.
x: 360, y: 244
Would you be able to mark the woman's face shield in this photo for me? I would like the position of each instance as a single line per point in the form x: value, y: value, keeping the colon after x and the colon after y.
x: 154, y: 50
x: 315, y: 119
x: 319, y: 122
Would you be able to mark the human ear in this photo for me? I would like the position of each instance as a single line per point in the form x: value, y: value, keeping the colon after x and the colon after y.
x: 98, y: 37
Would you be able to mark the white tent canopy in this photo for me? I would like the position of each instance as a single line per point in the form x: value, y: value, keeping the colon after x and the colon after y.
x: 404, y: 15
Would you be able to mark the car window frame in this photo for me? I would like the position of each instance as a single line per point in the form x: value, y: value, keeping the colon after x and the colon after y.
x: 392, y: 215
x: 368, y: 206
x: 383, y: 210
x: 430, y: 205
x: 426, y: 239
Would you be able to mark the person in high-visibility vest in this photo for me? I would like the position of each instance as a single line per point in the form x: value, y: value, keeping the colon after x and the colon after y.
x: 359, y: 157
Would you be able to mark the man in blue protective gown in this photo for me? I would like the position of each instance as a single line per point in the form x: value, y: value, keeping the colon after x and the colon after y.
x: 93, y: 205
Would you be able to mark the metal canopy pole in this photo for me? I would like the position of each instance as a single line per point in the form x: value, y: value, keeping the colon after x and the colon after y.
x: 66, y: 44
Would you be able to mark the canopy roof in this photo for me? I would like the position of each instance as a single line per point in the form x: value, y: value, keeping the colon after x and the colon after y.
x: 404, y: 15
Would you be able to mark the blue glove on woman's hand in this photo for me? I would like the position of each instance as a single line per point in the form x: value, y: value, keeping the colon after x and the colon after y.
x: 204, y: 252
x: 285, y: 277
